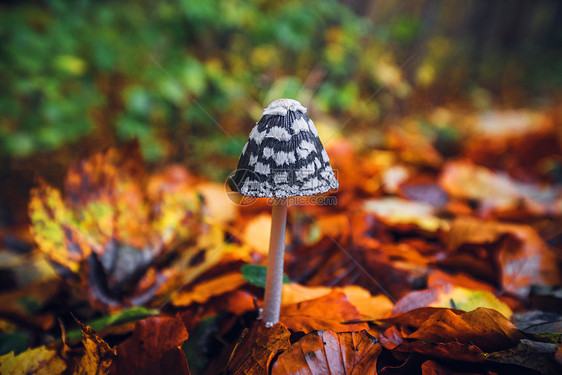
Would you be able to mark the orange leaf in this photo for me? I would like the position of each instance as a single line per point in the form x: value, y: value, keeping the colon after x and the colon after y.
x: 207, y: 289
x: 258, y: 348
x: 372, y: 307
x: 326, y: 312
x: 524, y: 258
x: 328, y: 352
x: 485, y: 328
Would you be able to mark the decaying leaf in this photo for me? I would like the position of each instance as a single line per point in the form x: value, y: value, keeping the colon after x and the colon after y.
x: 257, y: 349
x: 522, y: 256
x: 207, y: 289
x: 400, y: 211
x: 485, y: 328
x: 98, y: 354
x: 371, y: 307
x: 154, y: 347
x: 497, y: 191
x: 327, y: 312
x: 129, y: 315
x: 534, y: 355
x: 37, y: 361
x: 108, y: 230
x: 328, y: 352
x: 452, y: 297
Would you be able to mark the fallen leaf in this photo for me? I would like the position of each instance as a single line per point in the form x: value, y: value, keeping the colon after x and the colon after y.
x: 439, y: 279
x: 50, y: 222
x: 424, y: 192
x: 107, y: 231
x: 371, y: 307
x: 451, y: 297
x: 523, y: 257
x: 204, y: 290
x: 533, y: 355
x: 395, y: 211
x: 256, y: 233
x: 390, y: 338
x: 98, y: 354
x: 496, y: 191
x: 450, y: 350
x: 416, y: 317
x: 154, y: 347
x: 326, y: 312
x: 258, y: 348
x: 37, y: 361
x: 328, y: 352
x: 218, y: 206
x: 132, y: 314
x: 485, y: 328
x: 470, y: 299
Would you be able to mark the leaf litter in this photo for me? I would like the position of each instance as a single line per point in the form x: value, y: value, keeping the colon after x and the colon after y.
x: 424, y: 264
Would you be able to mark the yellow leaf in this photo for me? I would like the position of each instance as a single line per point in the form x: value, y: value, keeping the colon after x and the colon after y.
x: 49, y: 219
x: 38, y: 361
x: 98, y: 356
x: 468, y: 300
x: 400, y: 211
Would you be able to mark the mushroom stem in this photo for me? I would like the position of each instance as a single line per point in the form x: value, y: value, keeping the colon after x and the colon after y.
x: 275, y: 258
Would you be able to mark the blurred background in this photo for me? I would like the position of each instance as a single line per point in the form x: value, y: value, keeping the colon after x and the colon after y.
x: 188, y: 79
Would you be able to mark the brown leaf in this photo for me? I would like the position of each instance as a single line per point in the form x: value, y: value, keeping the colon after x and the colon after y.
x: 391, y: 338
x: 326, y: 312
x: 448, y: 350
x: 154, y: 347
x: 485, y: 328
x: 98, y: 355
x: 415, y: 318
x: 328, y: 352
x: 523, y: 257
x: 495, y: 191
x: 258, y: 348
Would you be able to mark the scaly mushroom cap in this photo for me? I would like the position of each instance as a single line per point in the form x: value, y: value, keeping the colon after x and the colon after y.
x: 284, y: 156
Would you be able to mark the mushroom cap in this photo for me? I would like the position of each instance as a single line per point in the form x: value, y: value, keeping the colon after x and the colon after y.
x: 283, y: 156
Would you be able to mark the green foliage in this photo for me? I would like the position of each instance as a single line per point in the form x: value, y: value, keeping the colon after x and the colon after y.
x: 148, y: 63
x: 167, y: 73
x: 16, y: 342
x: 256, y: 274
x: 131, y: 314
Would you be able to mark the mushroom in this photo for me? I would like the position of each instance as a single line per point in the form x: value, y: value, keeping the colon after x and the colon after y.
x: 283, y: 158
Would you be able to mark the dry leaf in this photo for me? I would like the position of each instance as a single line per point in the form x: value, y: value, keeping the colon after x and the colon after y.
x: 154, y: 347
x: 38, y: 361
x: 523, y: 257
x: 98, y: 356
x: 326, y: 312
x: 327, y: 352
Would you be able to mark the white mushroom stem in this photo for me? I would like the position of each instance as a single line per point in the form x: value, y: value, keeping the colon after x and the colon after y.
x: 275, y: 258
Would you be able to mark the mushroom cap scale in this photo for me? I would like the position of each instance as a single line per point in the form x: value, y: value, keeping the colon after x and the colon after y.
x: 284, y: 156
